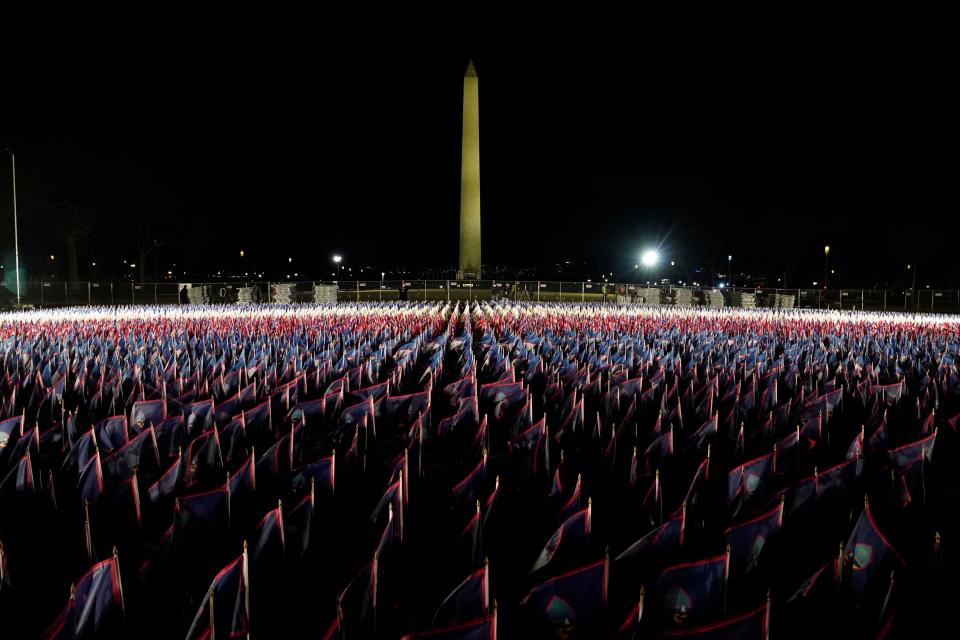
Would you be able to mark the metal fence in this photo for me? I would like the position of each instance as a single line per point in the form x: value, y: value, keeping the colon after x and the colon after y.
x: 54, y: 294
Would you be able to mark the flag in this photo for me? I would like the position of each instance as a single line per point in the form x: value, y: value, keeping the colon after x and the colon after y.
x: 572, y: 604
x: 922, y: 449
x: 469, y: 545
x: 818, y: 589
x: 205, y: 515
x: 148, y: 413
x: 311, y: 411
x: 95, y: 607
x: 698, y: 484
x: 140, y: 452
x: 572, y: 505
x: 168, y: 481
x: 277, y: 459
x: 257, y: 420
x: 651, y: 505
x: 490, y: 508
x: 467, y: 415
x: 692, y: 591
x: 269, y: 547
x: 243, y: 481
x: 468, y: 489
x: 752, y: 625
x: 786, y: 458
x: 800, y: 498
x: 401, y: 410
x: 125, y: 504
x: 354, y: 414
x: 112, y: 433
x: 198, y: 416
x: 233, y: 440
x: 529, y: 451
x: 705, y: 433
x: 90, y: 484
x: 556, y: 487
x: 203, y: 458
x: 659, y: 451
x: 469, y: 600
x: 567, y: 543
x: 160, y: 556
x: 499, y: 400
x: 357, y: 603
x: 392, y: 496
x: 484, y: 628
x: 297, y: 524
x: 171, y: 435
x: 19, y: 479
x: 749, y: 478
x: 868, y: 553
x: 838, y: 481
x: 321, y: 473
x: 225, y: 611
x: 855, y: 449
x: 748, y: 539
x: 10, y: 429
x: 662, y: 542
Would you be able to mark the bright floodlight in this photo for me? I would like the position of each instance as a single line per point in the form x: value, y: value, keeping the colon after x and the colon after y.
x: 337, y: 259
x: 650, y: 258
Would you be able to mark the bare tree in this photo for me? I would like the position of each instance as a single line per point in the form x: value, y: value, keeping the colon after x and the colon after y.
x: 147, y: 235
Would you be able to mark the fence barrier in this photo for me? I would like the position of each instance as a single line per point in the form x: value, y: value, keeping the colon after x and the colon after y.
x: 55, y: 294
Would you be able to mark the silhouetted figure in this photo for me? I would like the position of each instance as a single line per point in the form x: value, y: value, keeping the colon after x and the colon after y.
x: 184, y: 295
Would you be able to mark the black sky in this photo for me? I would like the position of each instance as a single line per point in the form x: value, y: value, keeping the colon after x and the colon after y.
x: 300, y: 134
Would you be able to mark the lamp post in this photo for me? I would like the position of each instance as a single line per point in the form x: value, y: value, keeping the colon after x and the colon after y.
x: 337, y: 259
x: 381, y: 285
x: 16, y: 237
x: 729, y: 270
x: 826, y: 264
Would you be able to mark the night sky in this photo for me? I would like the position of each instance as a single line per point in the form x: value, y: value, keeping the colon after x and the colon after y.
x: 300, y: 135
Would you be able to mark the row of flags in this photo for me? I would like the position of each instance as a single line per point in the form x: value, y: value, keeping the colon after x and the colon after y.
x: 628, y: 473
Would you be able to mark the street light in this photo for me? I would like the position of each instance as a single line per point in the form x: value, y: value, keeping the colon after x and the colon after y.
x: 729, y: 268
x: 826, y: 257
x: 650, y: 258
x: 337, y: 259
x: 16, y: 237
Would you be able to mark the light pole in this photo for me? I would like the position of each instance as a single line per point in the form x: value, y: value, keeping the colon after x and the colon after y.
x: 826, y: 264
x: 381, y: 285
x: 16, y: 237
x: 337, y: 259
x: 729, y: 270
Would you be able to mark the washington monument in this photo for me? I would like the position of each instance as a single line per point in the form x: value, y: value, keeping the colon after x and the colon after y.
x: 469, y: 265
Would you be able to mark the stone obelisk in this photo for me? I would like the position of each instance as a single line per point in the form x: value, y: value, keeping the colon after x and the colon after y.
x: 469, y: 265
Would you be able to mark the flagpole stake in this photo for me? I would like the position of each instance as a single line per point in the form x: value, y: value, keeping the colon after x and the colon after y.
x: 213, y: 631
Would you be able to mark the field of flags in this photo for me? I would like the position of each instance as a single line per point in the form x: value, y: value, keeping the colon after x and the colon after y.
x: 477, y: 470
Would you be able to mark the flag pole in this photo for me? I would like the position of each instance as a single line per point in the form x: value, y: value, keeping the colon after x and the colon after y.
x: 836, y: 604
x: 213, y: 631
x: 486, y: 583
x: 246, y: 584
x: 86, y: 525
x: 116, y: 567
x: 726, y: 578
x: 766, y: 622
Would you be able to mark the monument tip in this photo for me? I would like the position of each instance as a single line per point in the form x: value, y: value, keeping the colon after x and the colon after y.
x: 471, y: 70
